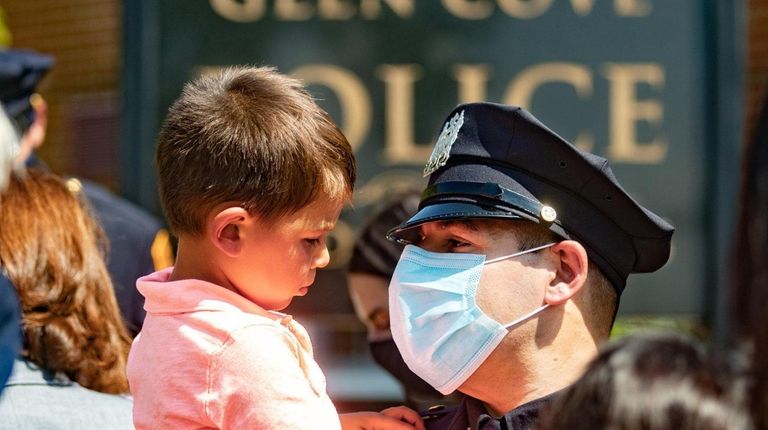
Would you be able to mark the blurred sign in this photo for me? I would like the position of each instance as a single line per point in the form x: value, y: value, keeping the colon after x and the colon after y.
x: 625, y: 79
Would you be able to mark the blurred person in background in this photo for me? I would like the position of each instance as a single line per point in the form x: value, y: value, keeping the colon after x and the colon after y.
x: 10, y: 338
x: 749, y: 276
x: 370, y: 269
x: 654, y: 381
x: 514, y: 266
x: 72, y: 366
x: 138, y: 244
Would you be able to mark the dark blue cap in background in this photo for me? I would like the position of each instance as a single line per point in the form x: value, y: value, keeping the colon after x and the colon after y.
x: 20, y: 74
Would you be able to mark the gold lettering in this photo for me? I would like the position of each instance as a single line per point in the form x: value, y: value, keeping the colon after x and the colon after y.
x: 293, y: 10
x: 521, y: 90
x: 626, y: 110
x: 472, y: 81
x: 335, y: 9
x: 525, y: 9
x: 239, y: 11
x: 582, y: 7
x: 353, y: 98
x: 400, y: 146
x: 370, y: 9
x: 632, y: 7
x: 469, y: 9
x: 302, y: 10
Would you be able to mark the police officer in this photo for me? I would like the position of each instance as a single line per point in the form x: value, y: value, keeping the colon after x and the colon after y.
x: 514, y: 265
x: 138, y: 243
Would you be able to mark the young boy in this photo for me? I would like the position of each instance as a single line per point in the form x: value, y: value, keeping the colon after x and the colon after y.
x: 252, y: 176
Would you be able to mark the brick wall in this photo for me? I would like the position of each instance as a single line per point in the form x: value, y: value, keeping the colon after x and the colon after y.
x: 82, y: 91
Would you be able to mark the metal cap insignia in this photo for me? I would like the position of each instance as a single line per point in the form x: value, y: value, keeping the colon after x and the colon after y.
x: 444, y: 143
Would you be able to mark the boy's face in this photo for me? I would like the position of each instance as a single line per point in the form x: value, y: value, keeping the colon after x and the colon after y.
x: 279, y: 259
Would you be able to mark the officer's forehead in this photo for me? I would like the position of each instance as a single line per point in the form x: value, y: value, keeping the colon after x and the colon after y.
x: 465, y: 224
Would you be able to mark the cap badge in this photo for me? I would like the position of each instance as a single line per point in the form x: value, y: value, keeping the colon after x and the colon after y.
x: 444, y: 143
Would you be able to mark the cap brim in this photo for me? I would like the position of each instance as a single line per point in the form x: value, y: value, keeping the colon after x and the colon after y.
x: 408, y: 232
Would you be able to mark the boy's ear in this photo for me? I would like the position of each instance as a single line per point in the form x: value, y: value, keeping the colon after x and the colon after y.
x: 571, y: 266
x: 224, y: 231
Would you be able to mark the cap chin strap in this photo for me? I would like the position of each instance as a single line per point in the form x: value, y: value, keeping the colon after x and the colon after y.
x: 488, y: 190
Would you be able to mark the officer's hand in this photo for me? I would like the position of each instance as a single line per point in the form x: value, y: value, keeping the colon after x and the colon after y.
x: 397, y: 418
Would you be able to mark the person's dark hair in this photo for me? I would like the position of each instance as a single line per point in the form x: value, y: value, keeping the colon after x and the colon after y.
x: 653, y: 382
x: 373, y: 253
x: 250, y: 136
x: 52, y: 250
x: 749, y: 277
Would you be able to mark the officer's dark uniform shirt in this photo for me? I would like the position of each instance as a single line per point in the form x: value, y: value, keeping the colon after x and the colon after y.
x: 471, y: 414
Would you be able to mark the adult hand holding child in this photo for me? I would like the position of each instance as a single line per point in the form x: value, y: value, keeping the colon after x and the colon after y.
x: 395, y: 418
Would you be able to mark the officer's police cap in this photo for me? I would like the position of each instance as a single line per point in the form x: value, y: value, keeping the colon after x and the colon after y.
x: 20, y: 73
x: 498, y: 161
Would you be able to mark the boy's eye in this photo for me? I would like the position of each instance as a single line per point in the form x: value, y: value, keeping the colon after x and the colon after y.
x: 313, y: 241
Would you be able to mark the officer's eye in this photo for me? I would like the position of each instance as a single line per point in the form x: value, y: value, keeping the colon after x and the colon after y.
x: 455, y: 243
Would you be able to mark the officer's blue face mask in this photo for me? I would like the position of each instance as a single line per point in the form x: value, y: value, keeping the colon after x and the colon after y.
x: 440, y: 331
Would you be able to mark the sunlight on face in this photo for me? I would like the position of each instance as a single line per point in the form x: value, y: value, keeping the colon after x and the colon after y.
x: 280, y: 259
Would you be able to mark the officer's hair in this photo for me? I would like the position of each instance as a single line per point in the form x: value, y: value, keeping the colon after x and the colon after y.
x: 52, y: 250
x: 654, y: 382
x: 253, y: 137
x: 597, y: 301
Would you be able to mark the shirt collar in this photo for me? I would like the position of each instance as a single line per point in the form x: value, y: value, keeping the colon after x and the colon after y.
x: 520, y: 418
x: 191, y: 295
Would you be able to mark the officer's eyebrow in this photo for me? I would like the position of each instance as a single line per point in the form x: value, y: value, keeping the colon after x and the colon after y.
x: 465, y: 223
x: 462, y: 223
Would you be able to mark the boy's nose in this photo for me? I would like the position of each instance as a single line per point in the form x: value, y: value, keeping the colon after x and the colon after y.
x: 323, y: 258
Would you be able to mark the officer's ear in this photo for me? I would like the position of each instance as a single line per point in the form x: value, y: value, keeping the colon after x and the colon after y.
x: 225, y: 230
x: 570, y: 265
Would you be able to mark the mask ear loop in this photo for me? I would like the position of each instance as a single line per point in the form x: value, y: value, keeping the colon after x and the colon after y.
x: 504, y: 257
x: 540, y: 308
x: 526, y: 317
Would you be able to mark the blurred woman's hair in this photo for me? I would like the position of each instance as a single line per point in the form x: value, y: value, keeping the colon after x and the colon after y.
x: 654, y: 382
x: 52, y: 249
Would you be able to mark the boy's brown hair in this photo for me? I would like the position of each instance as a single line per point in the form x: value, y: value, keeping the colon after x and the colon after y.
x: 251, y: 136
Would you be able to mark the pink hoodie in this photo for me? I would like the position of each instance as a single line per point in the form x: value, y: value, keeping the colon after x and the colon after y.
x: 209, y: 358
